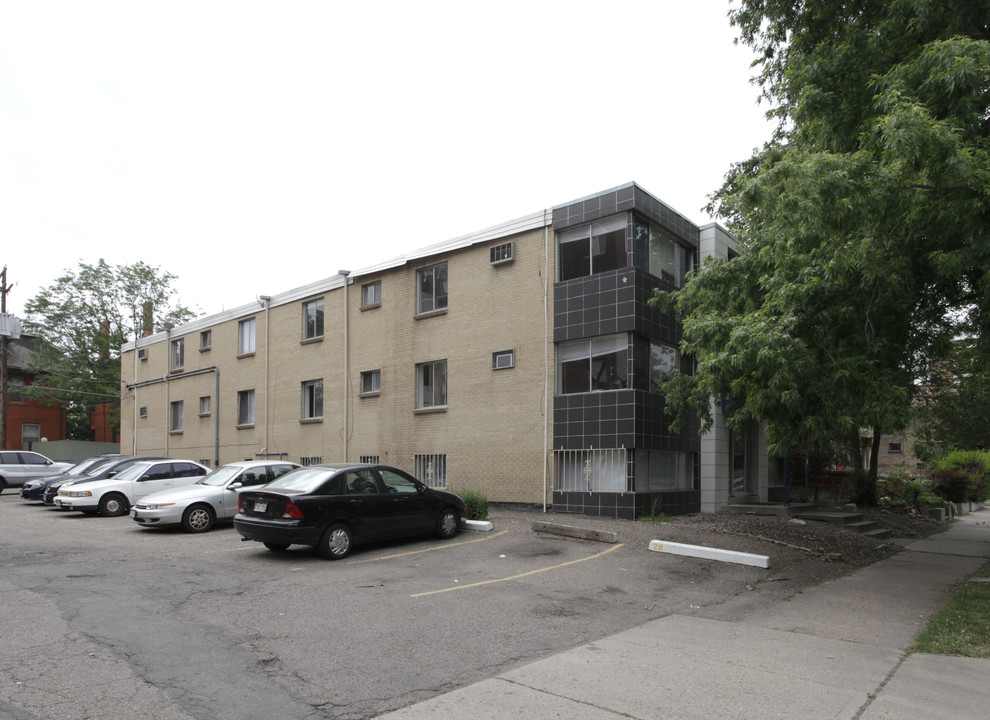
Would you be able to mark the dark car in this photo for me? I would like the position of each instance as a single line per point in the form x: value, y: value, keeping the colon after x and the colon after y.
x: 101, y: 473
x: 35, y: 489
x: 335, y: 507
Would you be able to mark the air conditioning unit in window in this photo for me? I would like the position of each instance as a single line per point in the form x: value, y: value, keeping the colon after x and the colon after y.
x: 503, y: 359
x: 142, y: 353
x: 501, y: 254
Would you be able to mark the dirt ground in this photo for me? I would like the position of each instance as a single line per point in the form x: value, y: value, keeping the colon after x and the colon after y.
x: 806, y: 552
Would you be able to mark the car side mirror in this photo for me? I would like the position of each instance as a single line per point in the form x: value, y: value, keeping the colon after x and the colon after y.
x: 235, y: 485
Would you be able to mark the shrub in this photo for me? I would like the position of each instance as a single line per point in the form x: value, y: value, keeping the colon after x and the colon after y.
x: 964, y: 475
x: 900, y: 487
x: 477, y: 503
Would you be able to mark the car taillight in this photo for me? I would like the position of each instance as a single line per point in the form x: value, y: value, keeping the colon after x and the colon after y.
x: 240, y: 504
x: 291, y: 511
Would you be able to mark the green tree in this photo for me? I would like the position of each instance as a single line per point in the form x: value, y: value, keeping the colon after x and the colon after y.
x: 863, y: 225
x: 83, y: 319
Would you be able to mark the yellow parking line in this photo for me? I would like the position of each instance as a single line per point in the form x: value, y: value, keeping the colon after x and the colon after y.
x: 521, y: 575
x: 424, y: 550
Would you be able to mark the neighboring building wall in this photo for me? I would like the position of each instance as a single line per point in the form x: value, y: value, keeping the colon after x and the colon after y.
x: 28, y: 420
x: 490, y: 431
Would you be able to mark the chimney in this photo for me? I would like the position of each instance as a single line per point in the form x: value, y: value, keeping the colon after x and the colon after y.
x: 147, y: 319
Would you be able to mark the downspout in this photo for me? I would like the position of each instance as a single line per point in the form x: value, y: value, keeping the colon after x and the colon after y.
x: 347, y: 364
x: 547, y: 414
x: 134, y: 419
x: 267, y: 300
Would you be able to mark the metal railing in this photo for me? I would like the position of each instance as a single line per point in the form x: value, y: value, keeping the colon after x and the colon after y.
x: 592, y: 470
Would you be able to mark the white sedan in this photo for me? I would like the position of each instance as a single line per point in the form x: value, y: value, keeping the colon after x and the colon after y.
x: 114, y: 496
x: 211, y: 499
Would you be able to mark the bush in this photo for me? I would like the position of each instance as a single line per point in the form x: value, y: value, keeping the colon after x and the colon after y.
x: 900, y: 487
x: 477, y: 504
x: 963, y: 475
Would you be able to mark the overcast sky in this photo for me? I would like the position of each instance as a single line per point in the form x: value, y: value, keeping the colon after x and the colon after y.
x: 252, y: 147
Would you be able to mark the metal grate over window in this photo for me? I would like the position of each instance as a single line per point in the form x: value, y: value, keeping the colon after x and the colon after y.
x: 431, y: 469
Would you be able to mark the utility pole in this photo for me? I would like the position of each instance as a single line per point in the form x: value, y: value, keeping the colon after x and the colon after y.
x: 4, y: 289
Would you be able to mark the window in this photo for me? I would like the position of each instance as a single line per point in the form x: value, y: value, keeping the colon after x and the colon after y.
x: 143, y: 411
x: 245, y: 407
x: 205, y: 339
x: 657, y: 470
x: 894, y: 447
x: 501, y: 254
x: 596, y: 470
x: 593, y: 248
x: 432, y: 288
x: 310, y: 460
x: 371, y: 294
x: 30, y: 433
x: 371, y: 381
x: 312, y: 399
x: 659, y: 252
x: 142, y: 353
x: 431, y: 469
x: 175, y: 416
x: 245, y: 336
x: 664, y: 359
x: 503, y: 359
x: 205, y: 405
x: 312, y: 319
x: 370, y: 459
x: 431, y: 384
x: 178, y: 354
x: 592, y: 365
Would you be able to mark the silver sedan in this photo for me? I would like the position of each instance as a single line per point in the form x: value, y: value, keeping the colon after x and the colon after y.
x: 210, y: 500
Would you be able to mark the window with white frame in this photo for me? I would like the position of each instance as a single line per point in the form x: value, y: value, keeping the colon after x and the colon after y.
x: 246, y: 336
x: 431, y: 469
x: 178, y: 356
x: 245, y: 407
x: 431, y: 384
x: 371, y: 294
x: 205, y: 339
x: 593, y: 365
x: 175, y: 416
x: 501, y: 254
x: 142, y: 353
x: 371, y: 381
x: 431, y: 284
x: 205, y: 405
x: 312, y: 399
x: 593, y: 248
x: 312, y: 317
x: 143, y: 411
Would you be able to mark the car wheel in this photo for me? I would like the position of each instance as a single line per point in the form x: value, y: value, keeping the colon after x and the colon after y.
x: 277, y: 547
x: 113, y: 505
x: 447, y: 523
x: 197, y: 519
x: 337, y: 542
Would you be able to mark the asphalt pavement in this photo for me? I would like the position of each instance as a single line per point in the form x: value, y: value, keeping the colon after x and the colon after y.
x: 835, y: 650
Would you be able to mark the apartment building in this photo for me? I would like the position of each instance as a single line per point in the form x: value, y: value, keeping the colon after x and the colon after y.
x: 521, y: 361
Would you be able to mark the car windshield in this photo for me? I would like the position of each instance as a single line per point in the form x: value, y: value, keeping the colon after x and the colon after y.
x: 132, y: 472
x: 221, y: 475
x: 88, y: 466
x: 305, y: 479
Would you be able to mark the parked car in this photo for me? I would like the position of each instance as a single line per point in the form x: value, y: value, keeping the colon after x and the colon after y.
x: 335, y: 507
x: 210, y: 499
x: 19, y: 466
x: 114, y: 496
x: 100, y: 473
x: 35, y: 489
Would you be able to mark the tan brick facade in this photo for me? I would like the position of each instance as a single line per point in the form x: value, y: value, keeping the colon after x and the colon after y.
x: 494, y: 425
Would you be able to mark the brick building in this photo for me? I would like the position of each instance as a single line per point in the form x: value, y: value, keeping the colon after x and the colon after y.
x: 28, y: 420
x: 521, y: 361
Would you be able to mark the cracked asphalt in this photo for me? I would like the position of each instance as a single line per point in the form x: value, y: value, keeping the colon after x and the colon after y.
x: 101, y: 619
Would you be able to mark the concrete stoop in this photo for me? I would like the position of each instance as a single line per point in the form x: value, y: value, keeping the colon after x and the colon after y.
x: 855, y: 521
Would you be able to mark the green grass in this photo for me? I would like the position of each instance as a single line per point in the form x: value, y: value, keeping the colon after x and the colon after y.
x: 962, y: 627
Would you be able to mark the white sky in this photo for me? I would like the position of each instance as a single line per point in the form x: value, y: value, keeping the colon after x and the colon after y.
x: 251, y: 147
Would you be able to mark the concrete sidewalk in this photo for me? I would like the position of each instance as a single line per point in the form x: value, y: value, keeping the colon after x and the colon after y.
x: 833, y: 651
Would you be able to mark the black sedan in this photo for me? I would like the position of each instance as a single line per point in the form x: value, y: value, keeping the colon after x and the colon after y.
x: 335, y: 507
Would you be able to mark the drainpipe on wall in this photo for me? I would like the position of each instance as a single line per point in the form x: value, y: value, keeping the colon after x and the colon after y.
x: 266, y: 301
x: 347, y: 364
x: 547, y: 402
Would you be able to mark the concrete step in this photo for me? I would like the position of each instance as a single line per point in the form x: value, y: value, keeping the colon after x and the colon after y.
x: 837, y: 517
x: 778, y: 509
x: 879, y: 533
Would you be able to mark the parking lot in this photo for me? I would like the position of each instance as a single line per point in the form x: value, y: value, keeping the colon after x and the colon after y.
x: 104, y: 619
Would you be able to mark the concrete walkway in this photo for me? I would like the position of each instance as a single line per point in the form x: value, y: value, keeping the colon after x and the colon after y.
x: 833, y: 651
